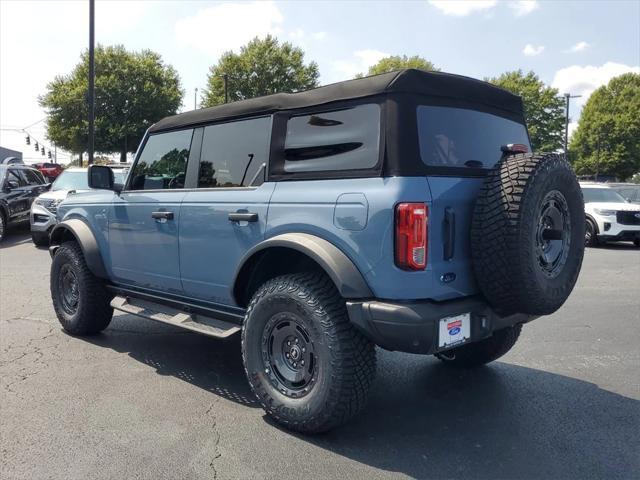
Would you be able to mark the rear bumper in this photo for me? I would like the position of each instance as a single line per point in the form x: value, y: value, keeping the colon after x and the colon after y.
x: 413, y: 327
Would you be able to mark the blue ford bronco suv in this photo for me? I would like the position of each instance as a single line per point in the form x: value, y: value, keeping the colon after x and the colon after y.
x: 403, y: 210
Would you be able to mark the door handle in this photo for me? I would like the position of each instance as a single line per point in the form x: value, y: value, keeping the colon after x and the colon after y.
x: 162, y: 215
x: 243, y: 217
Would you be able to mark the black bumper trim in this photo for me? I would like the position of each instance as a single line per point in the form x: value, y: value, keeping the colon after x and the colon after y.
x: 413, y: 327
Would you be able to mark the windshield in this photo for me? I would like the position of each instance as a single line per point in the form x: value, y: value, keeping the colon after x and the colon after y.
x: 79, y: 181
x: 602, y: 195
x: 458, y: 137
x: 71, y: 181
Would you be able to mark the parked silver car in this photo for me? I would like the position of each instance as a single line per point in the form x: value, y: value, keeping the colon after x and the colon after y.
x: 45, y: 207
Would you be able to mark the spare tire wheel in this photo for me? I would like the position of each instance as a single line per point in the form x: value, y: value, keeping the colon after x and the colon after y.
x: 527, y: 234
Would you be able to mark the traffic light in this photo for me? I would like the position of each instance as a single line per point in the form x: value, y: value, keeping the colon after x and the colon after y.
x: 37, y: 147
x: 42, y: 151
x: 28, y: 139
x: 49, y: 153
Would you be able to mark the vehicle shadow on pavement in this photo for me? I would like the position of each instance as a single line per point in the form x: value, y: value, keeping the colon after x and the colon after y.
x: 425, y: 420
x: 16, y: 236
x: 211, y: 364
x: 502, y: 421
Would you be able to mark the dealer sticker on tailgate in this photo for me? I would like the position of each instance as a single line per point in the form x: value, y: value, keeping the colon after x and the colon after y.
x: 454, y: 330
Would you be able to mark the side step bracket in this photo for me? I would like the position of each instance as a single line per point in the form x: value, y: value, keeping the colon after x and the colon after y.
x: 161, y: 313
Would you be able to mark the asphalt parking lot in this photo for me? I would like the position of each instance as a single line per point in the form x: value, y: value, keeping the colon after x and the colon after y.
x: 145, y: 400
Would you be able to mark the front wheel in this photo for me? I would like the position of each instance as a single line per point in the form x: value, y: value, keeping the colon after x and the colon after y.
x: 80, y: 299
x: 590, y: 234
x: 484, y: 351
x: 308, y: 366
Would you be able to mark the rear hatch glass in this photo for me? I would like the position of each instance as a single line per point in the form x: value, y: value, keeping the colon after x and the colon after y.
x: 458, y: 137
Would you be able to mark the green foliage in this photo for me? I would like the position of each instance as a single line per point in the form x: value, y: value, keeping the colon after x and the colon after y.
x: 133, y: 90
x: 608, y: 135
x: 544, y: 108
x: 635, y: 178
x: 262, y: 67
x: 397, y: 62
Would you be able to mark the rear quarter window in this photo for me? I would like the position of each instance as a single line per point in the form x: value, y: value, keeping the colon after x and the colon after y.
x: 458, y: 137
x: 345, y: 139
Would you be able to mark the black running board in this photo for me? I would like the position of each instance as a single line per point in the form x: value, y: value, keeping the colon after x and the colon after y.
x: 165, y: 314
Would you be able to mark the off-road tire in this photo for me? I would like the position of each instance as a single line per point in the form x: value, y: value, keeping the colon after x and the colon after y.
x: 40, y: 239
x: 345, y: 359
x: 590, y: 234
x: 482, y: 352
x: 93, y: 312
x: 505, y: 234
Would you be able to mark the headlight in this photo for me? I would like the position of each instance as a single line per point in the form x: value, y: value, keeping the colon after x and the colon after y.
x: 604, y: 213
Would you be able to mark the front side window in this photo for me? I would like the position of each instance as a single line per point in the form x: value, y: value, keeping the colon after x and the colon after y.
x: 235, y: 154
x: 346, y: 139
x: 163, y: 162
x: 16, y: 177
x: 458, y: 137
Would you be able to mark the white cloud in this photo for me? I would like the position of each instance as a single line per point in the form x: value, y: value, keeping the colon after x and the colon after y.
x: 523, y: 7
x: 531, y: 50
x: 462, y: 8
x: 319, y: 35
x: 297, y: 33
x: 578, y: 47
x: 228, y: 26
x: 359, y: 63
x: 578, y: 80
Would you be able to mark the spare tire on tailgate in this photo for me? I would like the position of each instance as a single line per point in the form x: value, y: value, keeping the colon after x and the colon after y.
x: 527, y: 234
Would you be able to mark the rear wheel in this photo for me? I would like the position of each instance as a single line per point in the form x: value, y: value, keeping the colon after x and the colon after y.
x: 590, y: 234
x: 484, y: 351
x: 308, y: 366
x: 80, y: 299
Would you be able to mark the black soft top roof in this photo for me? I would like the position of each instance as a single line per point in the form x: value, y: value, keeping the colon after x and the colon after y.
x: 409, y: 81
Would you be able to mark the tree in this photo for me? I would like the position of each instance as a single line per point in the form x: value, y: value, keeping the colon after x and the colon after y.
x: 133, y: 90
x: 262, y: 67
x: 607, y: 140
x: 543, y: 108
x: 397, y: 62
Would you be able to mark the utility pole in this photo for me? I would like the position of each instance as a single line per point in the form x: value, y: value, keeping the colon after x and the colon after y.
x: 567, y: 97
x: 195, y: 99
x: 226, y: 85
x: 92, y: 72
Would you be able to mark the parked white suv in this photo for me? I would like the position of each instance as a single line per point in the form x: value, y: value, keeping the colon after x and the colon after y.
x: 609, y: 216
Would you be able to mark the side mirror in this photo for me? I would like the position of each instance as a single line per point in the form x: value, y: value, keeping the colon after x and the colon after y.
x: 102, y: 177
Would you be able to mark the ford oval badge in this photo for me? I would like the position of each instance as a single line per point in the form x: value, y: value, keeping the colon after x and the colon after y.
x: 447, y: 277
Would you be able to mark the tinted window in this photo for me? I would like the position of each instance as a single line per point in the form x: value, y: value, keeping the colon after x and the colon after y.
x: 346, y: 139
x: 602, y: 195
x: 16, y: 176
x: 33, y: 177
x: 163, y: 161
x: 233, y: 153
x: 456, y: 137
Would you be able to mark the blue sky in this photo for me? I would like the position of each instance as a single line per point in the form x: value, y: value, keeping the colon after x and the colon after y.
x: 574, y: 46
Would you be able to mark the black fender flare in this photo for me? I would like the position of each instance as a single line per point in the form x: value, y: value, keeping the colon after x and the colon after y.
x: 82, y: 234
x: 348, y: 280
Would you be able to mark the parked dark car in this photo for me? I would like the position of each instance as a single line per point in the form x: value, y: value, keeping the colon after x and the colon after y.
x: 49, y: 170
x: 20, y: 185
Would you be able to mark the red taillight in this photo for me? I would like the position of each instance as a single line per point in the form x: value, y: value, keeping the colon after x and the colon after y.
x: 514, y: 148
x: 411, y: 236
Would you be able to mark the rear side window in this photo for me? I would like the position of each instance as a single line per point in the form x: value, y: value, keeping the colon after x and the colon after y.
x: 457, y: 137
x: 347, y: 139
x: 33, y: 177
x: 235, y: 154
x: 163, y: 161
